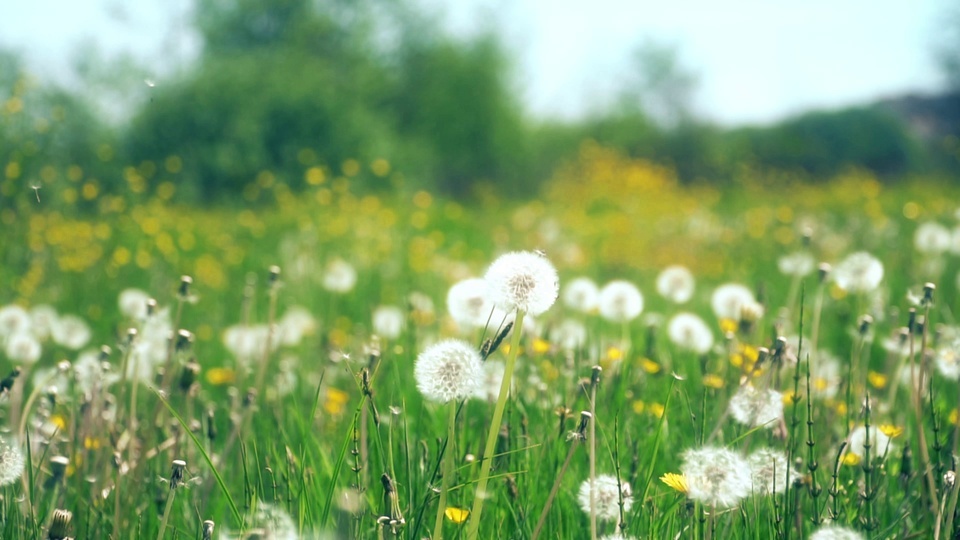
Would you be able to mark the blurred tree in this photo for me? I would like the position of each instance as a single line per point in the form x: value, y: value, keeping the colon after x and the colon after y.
x: 660, y: 85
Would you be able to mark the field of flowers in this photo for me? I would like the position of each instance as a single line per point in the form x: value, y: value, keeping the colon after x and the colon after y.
x: 622, y: 357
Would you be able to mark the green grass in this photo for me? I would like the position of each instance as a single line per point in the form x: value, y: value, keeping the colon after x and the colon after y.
x: 306, y: 444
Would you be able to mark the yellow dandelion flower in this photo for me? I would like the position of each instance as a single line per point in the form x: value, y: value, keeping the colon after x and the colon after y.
x: 891, y: 430
x: 953, y: 417
x: 456, y: 515
x: 728, y: 326
x: 220, y: 375
x: 676, y: 481
x: 789, y: 397
x: 336, y: 401
x: 91, y: 443
x: 650, y: 366
x: 614, y: 354
x: 736, y: 360
x: 877, y: 380
x: 750, y: 353
x: 639, y: 406
x: 656, y: 409
x: 850, y: 459
x: 59, y: 421
x: 541, y: 346
x: 712, y: 381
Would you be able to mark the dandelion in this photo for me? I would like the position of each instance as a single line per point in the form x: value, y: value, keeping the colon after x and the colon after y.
x: 71, y: 332
x: 523, y: 281
x: 771, y: 471
x: 796, y: 264
x: 756, y: 408
x: 675, y: 481
x: 858, y: 273
x: 689, y: 332
x: 11, y: 463
x: 581, y: 294
x: 826, y: 378
x: 620, y: 301
x: 247, y: 342
x: 275, y: 523
x: 676, y: 284
x: 932, y: 238
x: 133, y: 303
x: 448, y: 370
x: 570, y: 334
x: 388, y: 321
x: 42, y: 320
x: 834, y: 532
x: 340, y: 276
x: 606, y: 495
x: 421, y: 308
x: 13, y: 320
x: 23, y: 348
x: 295, y: 323
x: 716, y: 477
x: 880, y: 442
x: 469, y: 304
x: 492, y: 378
x: 728, y: 300
x: 947, y: 359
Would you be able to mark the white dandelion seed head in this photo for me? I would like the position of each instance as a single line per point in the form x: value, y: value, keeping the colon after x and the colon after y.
x: 13, y: 320
x: 388, y: 321
x: 296, y: 323
x: 932, y: 238
x: 88, y: 372
x: 71, y: 331
x: 23, y: 348
x: 133, y: 303
x: 617, y: 536
x: 570, y: 334
x: 860, y: 272
x: 490, y: 381
x: 606, y: 496
x: 620, y: 301
x: 755, y: 407
x: 524, y: 281
x: 771, y: 471
x: 826, y: 378
x: 676, y: 284
x: 275, y: 522
x: 798, y: 264
x: 581, y: 294
x: 470, y: 306
x: 448, y: 370
x: 880, y: 443
x: 716, y: 477
x: 835, y: 532
x: 339, y: 276
x: 947, y: 359
x: 11, y: 463
x: 247, y: 342
x: 42, y: 320
x: 728, y: 300
x: 689, y: 332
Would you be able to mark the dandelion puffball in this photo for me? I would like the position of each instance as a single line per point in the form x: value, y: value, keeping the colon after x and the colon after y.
x: 469, y: 304
x: 620, y: 301
x: 606, y: 496
x: 771, y: 471
x: 11, y: 463
x: 880, y: 443
x: 834, y: 532
x: 523, y: 281
x: 13, y: 319
x: 448, y: 370
x: 388, y: 321
x: 340, y: 276
x: 729, y: 299
x: 581, y: 294
x: 756, y: 407
x: 716, y: 477
x: 71, y: 331
x: 23, y: 348
x: 932, y: 238
x: 675, y: 283
x: 860, y: 272
x: 689, y: 332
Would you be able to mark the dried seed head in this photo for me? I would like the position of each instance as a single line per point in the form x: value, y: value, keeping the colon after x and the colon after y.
x: 58, y: 466
x: 176, y: 475
x: 274, y: 277
x: 823, y: 272
x: 950, y: 478
x: 928, y: 289
x: 208, y: 526
x: 105, y: 353
x: 185, y: 283
x: 60, y: 525
x: 151, y: 307
x: 865, y: 323
x: 184, y: 339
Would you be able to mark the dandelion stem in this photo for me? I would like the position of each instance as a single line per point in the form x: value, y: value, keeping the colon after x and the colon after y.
x: 447, y: 470
x: 490, y: 448
x: 594, y: 382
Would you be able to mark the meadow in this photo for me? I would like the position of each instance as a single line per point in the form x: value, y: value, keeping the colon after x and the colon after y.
x: 251, y: 370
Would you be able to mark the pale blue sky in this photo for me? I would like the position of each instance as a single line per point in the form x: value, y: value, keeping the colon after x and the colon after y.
x: 758, y: 60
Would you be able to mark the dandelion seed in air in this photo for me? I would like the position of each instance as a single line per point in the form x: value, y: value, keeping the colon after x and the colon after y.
x: 755, y: 407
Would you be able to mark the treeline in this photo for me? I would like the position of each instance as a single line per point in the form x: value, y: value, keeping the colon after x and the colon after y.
x: 376, y: 91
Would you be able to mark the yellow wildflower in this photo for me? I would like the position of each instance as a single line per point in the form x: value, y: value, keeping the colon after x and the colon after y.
x: 891, y: 430
x: 676, y: 481
x: 712, y: 381
x: 877, y: 380
x: 650, y: 366
x: 456, y: 515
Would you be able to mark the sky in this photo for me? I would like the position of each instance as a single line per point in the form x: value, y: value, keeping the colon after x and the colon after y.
x: 756, y: 61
